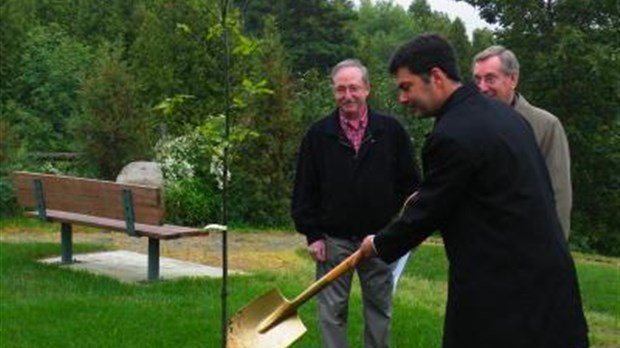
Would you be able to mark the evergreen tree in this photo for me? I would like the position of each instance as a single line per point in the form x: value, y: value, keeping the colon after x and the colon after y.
x: 316, y: 33
x: 112, y: 128
x: 262, y: 188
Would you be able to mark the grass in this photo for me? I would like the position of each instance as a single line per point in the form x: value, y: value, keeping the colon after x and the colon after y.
x: 48, y: 306
x: 27, y: 224
x: 43, y: 306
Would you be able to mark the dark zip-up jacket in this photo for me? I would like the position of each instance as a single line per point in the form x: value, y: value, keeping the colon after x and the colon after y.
x: 342, y: 193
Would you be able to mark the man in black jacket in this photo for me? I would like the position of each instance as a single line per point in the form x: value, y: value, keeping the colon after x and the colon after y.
x: 354, y: 171
x: 512, y: 281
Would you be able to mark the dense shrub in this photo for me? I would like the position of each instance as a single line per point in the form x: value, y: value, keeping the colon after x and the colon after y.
x: 192, y: 202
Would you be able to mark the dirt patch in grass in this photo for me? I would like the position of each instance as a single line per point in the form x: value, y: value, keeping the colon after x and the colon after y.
x: 247, y: 251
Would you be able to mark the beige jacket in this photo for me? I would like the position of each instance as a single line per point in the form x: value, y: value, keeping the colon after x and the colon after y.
x: 553, y: 145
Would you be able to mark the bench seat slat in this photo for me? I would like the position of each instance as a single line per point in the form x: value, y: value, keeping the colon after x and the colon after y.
x: 152, y: 231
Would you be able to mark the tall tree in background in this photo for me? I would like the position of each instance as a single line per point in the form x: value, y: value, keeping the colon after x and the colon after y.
x: 457, y: 34
x: 264, y: 166
x: 112, y: 128
x: 177, y: 51
x: 16, y: 18
x: 316, y: 33
x: 427, y: 20
x: 51, y: 68
x: 90, y: 21
x: 377, y: 40
x: 481, y: 39
x: 376, y: 43
x: 569, y: 51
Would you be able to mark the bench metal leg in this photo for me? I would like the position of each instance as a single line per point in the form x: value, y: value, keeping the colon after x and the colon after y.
x: 153, y: 274
x: 66, y: 243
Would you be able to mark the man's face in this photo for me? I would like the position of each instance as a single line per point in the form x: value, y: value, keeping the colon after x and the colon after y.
x: 350, y: 91
x: 492, y: 81
x: 416, y: 93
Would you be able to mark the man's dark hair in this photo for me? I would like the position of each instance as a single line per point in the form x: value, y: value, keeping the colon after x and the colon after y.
x: 425, y: 52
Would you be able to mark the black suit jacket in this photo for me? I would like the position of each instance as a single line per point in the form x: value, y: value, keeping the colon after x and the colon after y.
x: 512, y: 282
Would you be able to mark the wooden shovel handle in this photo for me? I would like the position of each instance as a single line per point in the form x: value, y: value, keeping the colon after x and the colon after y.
x: 347, y: 264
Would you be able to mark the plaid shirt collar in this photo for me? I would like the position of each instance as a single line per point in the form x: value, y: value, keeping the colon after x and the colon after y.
x: 354, y: 130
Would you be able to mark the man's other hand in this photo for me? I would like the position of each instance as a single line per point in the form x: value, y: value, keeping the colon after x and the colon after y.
x: 317, y: 250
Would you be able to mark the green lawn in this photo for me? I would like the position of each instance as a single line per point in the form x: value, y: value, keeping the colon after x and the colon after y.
x: 47, y: 306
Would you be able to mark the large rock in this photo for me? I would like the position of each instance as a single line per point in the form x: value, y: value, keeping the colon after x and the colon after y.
x: 142, y: 173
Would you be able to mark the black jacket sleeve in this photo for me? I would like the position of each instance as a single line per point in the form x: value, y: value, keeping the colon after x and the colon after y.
x: 447, y: 168
x: 306, y: 198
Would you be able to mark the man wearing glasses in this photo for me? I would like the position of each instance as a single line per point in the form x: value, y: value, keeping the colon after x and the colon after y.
x: 496, y: 72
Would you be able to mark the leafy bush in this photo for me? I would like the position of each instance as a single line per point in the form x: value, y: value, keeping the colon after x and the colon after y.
x: 8, y: 206
x: 191, y: 194
x: 192, y: 202
x: 9, y: 161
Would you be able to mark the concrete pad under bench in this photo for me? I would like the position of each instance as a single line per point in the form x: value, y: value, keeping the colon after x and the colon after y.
x: 128, y: 266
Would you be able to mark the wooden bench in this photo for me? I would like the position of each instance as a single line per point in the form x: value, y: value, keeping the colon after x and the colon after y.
x: 135, y: 209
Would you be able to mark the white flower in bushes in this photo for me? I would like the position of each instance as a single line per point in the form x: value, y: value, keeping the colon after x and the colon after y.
x: 217, y: 169
x: 174, y: 155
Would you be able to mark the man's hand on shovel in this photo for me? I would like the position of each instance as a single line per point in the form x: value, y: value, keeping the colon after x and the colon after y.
x: 367, y: 249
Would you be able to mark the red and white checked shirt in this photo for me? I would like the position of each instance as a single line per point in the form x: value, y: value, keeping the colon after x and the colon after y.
x: 354, y: 129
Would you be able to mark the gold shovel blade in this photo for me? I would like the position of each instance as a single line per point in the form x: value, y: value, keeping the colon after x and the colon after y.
x: 243, y: 326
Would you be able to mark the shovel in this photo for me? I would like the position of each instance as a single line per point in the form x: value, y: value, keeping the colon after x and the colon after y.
x: 272, y: 321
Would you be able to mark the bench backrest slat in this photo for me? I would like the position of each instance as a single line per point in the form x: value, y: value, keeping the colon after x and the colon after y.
x: 91, y: 197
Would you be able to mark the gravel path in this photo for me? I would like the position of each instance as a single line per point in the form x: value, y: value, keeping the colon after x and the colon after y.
x: 246, y: 251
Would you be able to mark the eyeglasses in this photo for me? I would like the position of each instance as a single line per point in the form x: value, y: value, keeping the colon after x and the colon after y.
x: 489, y: 79
x: 350, y: 88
